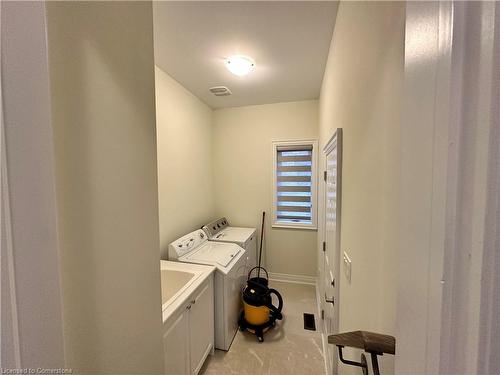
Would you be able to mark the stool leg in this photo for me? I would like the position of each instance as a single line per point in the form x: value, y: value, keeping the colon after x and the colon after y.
x: 376, y: 370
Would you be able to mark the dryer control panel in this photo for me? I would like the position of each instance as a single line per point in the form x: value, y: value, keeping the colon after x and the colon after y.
x: 211, y: 229
x: 186, y: 244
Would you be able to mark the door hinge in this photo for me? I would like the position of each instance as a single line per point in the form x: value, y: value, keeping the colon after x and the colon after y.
x: 324, y: 175
x: 322, y: 314
x: 324, y: 246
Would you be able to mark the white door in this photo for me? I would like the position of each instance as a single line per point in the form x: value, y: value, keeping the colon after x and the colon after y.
x: 200, y: 330
x: 331, y: 246
x: 176, y: 346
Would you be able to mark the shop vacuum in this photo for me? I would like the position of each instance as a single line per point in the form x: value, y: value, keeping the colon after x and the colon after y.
x: 259, y: 314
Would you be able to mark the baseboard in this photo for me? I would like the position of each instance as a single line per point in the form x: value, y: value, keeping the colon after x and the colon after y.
x: 298, y: 279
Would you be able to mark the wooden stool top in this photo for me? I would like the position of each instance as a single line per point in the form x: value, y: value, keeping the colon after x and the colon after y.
x: 368, y: 341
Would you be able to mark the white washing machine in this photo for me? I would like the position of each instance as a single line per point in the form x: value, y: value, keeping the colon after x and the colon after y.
x: 230, y: 262
x: 220, y: 231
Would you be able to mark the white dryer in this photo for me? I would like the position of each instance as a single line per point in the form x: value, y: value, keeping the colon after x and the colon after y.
x: 220, y: 231
x: 230, y: 262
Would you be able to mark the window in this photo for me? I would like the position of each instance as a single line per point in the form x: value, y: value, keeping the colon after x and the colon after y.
x: 294, y: 184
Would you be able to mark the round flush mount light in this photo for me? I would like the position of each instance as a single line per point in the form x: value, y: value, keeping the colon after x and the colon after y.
x: 240, y: 65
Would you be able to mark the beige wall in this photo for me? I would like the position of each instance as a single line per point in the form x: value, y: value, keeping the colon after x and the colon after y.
x: 198, y: 182
x: 106, y: 183
x: 361, y: 93
x: 184, y: 136
x: 243, y: 173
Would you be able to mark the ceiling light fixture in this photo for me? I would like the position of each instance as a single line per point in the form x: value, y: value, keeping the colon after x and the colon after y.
x: 240, y: 65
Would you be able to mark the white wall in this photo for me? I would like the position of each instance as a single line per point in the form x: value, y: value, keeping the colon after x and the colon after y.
x: 184, y: 137
x: 361, y: 93
x: 243, y: 174
x: 106, y: 179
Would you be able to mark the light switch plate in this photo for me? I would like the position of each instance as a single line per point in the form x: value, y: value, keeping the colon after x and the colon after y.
x: 347, y: 265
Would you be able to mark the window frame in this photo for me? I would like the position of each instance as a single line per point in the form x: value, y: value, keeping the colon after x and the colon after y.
x: 314, y: 184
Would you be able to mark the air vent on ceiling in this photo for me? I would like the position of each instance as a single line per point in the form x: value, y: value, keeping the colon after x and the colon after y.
x: 220, y: 91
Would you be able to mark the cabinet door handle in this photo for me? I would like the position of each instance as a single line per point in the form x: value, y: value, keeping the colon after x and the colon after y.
x: 188, y: 307
x: 193, y: 302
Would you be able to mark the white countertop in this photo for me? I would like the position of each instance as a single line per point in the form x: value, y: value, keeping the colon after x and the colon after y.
x: 201, y: 273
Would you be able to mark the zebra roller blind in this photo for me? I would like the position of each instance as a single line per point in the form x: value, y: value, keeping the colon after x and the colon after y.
x: 294, y: 184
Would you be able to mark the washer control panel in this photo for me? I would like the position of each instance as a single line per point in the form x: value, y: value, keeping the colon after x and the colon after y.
x: 186, y: 243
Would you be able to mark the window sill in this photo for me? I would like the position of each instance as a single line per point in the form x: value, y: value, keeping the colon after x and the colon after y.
x: 291, y: 226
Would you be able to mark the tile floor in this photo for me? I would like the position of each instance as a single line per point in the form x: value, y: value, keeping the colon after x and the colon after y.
x: 287, y: 349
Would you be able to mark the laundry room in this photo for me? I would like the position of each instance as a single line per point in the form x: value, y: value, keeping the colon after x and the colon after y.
x: 249, y: 187
x: 217, y: 152
x: 240, y: 149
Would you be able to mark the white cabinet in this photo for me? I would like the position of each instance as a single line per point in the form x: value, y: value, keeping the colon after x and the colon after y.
x: 176, y: 346
x: 189, y: 333
x: 201, y: 333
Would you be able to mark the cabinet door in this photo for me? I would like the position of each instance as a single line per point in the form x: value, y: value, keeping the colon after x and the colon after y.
x: 201, y: 326
x: 176, y: 346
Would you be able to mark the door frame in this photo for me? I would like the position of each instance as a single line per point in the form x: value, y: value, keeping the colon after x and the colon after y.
x: 448, y: 258
x: 335, y: 140
x: 30, y: 263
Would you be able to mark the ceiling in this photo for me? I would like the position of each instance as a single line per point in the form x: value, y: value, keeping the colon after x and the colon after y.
x: 289, y: 41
